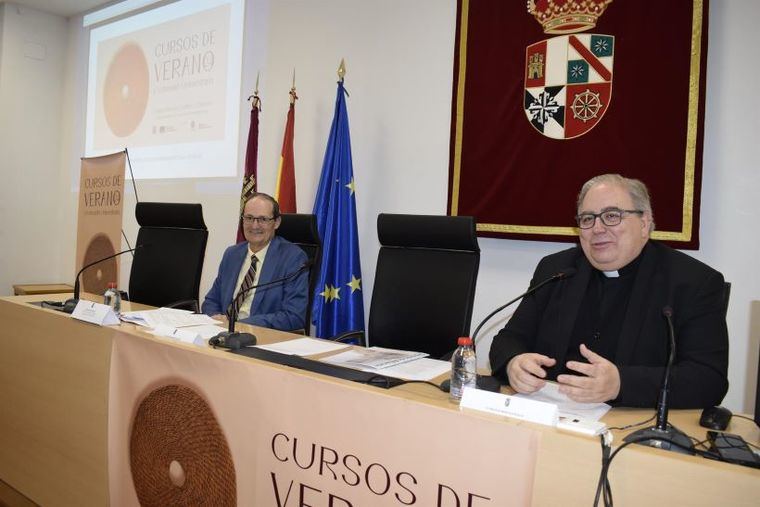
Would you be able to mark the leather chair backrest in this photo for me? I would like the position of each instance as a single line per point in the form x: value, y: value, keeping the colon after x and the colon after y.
x: 301, y: 229
x: 424, y: 287
x: 171, y: 247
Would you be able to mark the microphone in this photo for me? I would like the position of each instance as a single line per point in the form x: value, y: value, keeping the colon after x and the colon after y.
x: 234, y: 340
x: 70, y: 304
x: 663, y: 435
x: 490, y: 383
x: 565, y: 273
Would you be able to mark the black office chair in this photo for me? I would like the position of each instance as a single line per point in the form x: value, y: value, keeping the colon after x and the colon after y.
x: 726, y: 297
x: 301, y: 229
x: 171, y: 246
x: 425, y: 280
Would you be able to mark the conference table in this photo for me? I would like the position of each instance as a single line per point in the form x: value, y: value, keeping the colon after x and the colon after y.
x: 84, y: 409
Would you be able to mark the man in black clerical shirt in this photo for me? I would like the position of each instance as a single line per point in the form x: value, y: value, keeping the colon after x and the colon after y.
x: 601, y: 333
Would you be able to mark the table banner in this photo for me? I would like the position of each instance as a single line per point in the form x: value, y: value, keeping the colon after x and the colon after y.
x: 203, y: 428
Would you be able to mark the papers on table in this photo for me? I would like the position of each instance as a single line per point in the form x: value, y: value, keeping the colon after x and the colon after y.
x: 380, y: 358
x: 413, y: 367
x: 181, y: 325
x: 567, y: 407
x: 199, y: 335
x: 304, y: 346
x: 195, y: 329
x: 171, y: 317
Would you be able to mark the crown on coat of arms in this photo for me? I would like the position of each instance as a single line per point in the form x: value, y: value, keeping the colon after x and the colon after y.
x: 567, y: 16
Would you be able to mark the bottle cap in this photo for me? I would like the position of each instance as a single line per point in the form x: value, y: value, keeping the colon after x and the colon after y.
x: 464, y: 340
x: 111, y: 285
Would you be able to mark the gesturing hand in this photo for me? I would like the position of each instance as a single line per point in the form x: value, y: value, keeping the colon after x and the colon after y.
x: 526, y: 372
x: 599, y: 380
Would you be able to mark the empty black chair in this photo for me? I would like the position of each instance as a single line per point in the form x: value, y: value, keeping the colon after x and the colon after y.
x: 726, y: 297
x: 171, y: 246
x: 425, y: 280
x: 301, y: 229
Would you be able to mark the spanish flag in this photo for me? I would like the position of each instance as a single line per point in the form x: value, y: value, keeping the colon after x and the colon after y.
x: 285, y: 191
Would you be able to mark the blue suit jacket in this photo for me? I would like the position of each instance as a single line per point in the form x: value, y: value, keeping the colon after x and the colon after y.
x: 277, y: 306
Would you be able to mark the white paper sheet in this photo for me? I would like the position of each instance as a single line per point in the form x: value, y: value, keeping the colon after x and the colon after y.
x: 567, y: 407
x: 170, y: 317
x: 304, y: 346
x: 418, y: 369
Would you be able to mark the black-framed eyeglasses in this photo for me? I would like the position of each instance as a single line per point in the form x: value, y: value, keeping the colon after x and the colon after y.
x: 609, y: 217
x: 250, y: 219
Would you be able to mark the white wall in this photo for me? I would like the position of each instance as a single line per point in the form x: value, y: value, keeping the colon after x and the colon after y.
x: 399, y: 57
x: 32, y: 46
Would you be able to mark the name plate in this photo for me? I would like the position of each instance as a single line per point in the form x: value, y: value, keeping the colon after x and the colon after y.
x: 95, y: 313
x: 183, y: 335
x: 510, y: 406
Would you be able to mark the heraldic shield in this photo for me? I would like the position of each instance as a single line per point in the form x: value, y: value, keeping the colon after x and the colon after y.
x: 568, y: 83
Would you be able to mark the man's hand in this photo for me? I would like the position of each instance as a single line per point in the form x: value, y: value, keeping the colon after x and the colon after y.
x: 526, y: 372
x: 599, y: 382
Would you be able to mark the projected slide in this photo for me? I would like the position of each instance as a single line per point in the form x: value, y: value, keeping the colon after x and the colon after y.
x: 166, y: 84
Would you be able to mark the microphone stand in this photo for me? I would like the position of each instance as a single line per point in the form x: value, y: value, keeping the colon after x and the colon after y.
x: 664, y: 435
x: 71, y: 303
x: 489, y: 382
x: 235, y: 340
x: 567, y: 273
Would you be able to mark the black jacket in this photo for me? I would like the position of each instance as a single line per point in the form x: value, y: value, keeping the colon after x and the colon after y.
x: 544, y: 323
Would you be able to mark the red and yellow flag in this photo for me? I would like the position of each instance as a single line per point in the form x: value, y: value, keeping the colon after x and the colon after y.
x: 285, y: 191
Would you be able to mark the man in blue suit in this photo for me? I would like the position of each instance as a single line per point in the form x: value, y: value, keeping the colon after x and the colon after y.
x: 263, y: 258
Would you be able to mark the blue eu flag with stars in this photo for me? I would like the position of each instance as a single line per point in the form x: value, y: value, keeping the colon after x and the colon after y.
x: 338, y: 302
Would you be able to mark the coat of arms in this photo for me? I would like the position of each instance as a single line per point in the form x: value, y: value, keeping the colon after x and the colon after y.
x: 568, y: 78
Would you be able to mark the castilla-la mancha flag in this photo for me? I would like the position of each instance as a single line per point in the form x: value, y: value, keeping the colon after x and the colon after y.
x: 251, y: 162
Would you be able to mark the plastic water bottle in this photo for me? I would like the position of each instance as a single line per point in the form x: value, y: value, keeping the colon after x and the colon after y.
x: 463, y: 368
x: 112, y: 297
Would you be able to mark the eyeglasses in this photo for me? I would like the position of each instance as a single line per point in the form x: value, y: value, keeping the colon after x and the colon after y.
x: 609, y: 217
x: 250, y: 219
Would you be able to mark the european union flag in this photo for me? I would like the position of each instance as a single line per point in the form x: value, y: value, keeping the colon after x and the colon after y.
x: 338, y: 302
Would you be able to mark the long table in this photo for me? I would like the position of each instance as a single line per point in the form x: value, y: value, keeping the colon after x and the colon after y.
x: 57, y: 393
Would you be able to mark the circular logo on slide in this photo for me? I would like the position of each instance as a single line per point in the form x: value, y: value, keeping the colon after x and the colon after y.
x: 125, y: 90
x: 178, y: 453
x: 95, y: 279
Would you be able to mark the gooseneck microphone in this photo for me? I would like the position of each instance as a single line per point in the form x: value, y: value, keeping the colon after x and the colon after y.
x: 663, y: 435
x: 489, y: 382
x: 662, y: 402
x: 565, y: 273
x: 70, y: 304
x: 234, y: 340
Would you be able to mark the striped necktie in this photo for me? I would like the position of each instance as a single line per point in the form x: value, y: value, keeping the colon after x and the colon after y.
x: 245, y: 287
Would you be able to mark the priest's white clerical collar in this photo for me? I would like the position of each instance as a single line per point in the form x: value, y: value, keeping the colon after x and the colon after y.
x: 611, y: 274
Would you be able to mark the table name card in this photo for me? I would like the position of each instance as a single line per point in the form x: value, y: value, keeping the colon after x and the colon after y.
x: 510, y: 406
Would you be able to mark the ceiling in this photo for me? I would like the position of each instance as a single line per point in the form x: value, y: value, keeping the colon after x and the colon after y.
x: 63, y: 8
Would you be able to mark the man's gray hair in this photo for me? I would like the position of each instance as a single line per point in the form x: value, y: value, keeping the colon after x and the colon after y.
x: 635, y: 188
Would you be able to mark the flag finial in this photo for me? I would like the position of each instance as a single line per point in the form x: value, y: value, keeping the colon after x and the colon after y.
x: 293, y: 96
x: 342, y: 69
x: 254, y: 99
